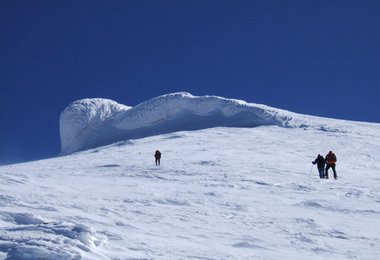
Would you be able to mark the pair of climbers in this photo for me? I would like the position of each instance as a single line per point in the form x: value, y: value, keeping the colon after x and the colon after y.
x: 329, y: 161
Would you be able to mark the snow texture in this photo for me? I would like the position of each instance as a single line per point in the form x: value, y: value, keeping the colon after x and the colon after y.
x: 219, y: 193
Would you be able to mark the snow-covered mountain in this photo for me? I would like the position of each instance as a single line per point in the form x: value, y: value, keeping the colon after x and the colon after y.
x: 220, y: 192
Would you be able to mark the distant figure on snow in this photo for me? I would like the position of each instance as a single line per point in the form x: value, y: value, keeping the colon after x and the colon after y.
x: 157, y: 155
x: 320, y: 161
x: 330, y: 161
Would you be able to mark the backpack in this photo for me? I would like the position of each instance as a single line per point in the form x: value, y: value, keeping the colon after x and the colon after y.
x: 331, y: 158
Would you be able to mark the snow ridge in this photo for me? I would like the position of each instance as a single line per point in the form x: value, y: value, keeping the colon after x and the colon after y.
x: 90, y: 123
x: 178, y: 106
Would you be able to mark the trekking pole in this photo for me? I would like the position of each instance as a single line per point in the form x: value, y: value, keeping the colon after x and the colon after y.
x: 311, y: 169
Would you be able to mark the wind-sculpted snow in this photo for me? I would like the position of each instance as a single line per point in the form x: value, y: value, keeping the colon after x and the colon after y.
x: 90, y: 123
x: 34, y: 238
x: 182, y: 111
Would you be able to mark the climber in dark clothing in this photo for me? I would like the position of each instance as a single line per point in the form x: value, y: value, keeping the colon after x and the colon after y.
x: 157, y: 155
x: 320, y: 161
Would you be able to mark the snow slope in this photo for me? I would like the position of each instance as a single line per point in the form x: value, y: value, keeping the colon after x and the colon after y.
x: 220, y: 193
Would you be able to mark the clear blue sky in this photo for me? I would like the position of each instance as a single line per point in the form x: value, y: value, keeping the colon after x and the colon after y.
x: 314, y: 57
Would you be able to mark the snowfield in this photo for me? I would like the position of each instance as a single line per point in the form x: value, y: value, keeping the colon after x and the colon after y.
x: 219, y: 193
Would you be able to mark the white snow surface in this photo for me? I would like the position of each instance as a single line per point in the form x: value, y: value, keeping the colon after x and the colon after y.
x: 219, y: 193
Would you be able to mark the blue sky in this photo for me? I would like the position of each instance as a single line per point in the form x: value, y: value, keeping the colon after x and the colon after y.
x: 313, y: 57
